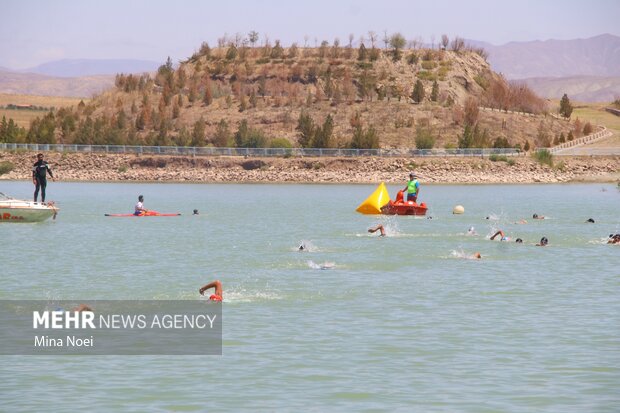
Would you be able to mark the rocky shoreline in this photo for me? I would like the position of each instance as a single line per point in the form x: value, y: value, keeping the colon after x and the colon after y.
x: 438, y: 170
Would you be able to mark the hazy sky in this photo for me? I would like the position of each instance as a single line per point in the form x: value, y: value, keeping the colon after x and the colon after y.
x: 38, y: 31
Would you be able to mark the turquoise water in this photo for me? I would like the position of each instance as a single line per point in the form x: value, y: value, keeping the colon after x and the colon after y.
x: 401, y: 323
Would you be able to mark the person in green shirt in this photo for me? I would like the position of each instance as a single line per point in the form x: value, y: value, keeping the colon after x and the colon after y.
x: 412, y: 190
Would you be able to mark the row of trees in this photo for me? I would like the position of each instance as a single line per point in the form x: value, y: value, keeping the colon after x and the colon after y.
x: 395, y: 41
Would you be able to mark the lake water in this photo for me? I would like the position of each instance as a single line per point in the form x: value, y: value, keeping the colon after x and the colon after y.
x: 401, y: 323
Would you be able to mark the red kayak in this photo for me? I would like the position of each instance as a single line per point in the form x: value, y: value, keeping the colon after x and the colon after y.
x: 147, y: 214
x: 399, y: 207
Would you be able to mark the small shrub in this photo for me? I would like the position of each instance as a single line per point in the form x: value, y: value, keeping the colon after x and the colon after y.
x: 511, y: 162
x: 482, y: 81
x: 424, y: 138
x: 122, y: 169
x: 429, y: 65
x: 544, y: 157
x: 495, y: 158
x: 280, y: 143
x: 317, y: 166
x: 6, y: 167
x: 425, y: 75
x: 561, y: 166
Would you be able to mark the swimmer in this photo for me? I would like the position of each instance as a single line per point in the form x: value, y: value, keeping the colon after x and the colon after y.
x: 477, y: 255
x: 590, y: 220
x: 377, y: 228
x: 614, y: 239
x: 219, y: 292
x: 519, y: 241
x: 503, y: 236
x: 536, y: 216
x: 195, y: 212
x: 82, y: 307
x: 471, y: 231
x: 543, y: 242
x: 521, y: 221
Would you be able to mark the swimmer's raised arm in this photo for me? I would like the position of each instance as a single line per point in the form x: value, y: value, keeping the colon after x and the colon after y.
x: 377, y: 228
x: 500, y: 233
x: 213, y: 284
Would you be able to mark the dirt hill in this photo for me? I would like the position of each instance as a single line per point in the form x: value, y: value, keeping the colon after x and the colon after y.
x: 205, y: 100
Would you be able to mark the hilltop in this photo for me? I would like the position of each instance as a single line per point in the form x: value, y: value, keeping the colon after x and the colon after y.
x: 330, y: 96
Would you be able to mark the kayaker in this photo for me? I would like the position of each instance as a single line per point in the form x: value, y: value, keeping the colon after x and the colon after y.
x: 377, y: 228
x: 219, y: 292
x: 40, y: 169
x: 412, y: 190
x: 140, y: 210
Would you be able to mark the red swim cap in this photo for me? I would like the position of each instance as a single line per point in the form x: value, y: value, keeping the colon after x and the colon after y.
x: 215, y: 297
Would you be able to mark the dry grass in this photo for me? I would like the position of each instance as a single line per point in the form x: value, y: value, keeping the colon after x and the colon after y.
x: 23, y: 116
x: 46, y: 101
x: 596, y: 114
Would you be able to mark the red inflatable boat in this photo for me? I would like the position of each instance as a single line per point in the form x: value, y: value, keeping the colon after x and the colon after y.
x: 398, y: 207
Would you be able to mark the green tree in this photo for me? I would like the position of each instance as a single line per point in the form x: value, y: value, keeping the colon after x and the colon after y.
x: 84, y: 133
x: 362, y: 53
x: 277, y: 52
x: 418, y: 92
x: 253, y: 37
x: 231, y: 53
x: 247, y: 137
x: 323, y: 135
x: 364, y: 139
x: 198, y: 133
x: 397, y: 42
x: 183, y: 138
x: 306, y: 127
x: 467, y: 138
x: 222, y: 134
x: 435, y: 91
x: 566, y: 108
x: 262, y: 86
x: 121, y: 119
x: 242, y: 133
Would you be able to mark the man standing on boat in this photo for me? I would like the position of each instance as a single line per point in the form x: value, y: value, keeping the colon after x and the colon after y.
x: 40, y: 169
x: 412, y: 189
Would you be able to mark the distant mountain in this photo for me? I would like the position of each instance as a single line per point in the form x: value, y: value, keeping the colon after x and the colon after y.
x: 36, y: 84
x: 578, y: 88
x: 90, y: 67
x: 596, y: 56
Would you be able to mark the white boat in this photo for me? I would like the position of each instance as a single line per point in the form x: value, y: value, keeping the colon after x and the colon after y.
x: 17, y: 210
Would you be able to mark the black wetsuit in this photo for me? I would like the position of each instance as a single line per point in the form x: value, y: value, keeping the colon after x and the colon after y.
x: 40, y: 170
